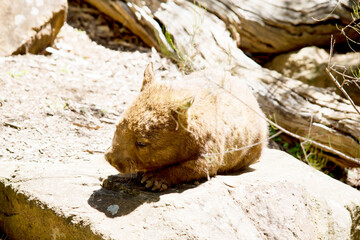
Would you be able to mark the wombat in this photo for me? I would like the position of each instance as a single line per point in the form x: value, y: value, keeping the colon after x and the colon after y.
x: 206, y: 124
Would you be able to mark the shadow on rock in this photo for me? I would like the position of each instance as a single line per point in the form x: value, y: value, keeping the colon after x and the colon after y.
x: 122, y: 194
x: 241, y: 171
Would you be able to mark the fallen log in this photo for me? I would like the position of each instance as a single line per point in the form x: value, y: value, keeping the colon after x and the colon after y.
x: 268, y: 26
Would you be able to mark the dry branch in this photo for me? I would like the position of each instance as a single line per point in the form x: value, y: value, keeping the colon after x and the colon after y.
x: 340, y: 87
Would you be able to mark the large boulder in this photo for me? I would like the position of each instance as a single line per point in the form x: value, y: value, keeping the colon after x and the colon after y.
x: 29, y: 26
x: 277, y: 198
x: 307, y: 65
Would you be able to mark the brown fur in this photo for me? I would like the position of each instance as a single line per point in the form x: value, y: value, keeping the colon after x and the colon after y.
x: 177, y: 134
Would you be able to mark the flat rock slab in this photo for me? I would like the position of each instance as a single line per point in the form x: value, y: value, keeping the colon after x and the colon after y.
x: 277, y: 198
x: 29, y: 26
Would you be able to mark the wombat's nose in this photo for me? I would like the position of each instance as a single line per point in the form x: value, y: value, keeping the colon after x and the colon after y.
x: 108, y: 155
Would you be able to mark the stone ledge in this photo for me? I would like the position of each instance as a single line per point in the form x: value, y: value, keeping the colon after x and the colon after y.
x: 277, y: 197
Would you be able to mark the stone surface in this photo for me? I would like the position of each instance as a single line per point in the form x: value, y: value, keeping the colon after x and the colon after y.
x: 277, y: 198
x: 307, y: 65
x: 50, y: 110
x: 29, y: 26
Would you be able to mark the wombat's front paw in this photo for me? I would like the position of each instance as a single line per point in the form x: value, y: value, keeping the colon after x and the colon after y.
x: 151, y: 180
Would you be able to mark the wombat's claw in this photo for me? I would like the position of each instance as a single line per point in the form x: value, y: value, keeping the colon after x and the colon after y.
x: 156, y: 185
x: 159, y: 185
x: 146, y: 176
x: 150, y: 181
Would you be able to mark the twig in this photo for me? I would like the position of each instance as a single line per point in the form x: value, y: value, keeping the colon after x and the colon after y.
x: 332, y: 43
x: 304, y: 152
x: 342, y: 90
x: 311, y: 123
x: 9, y: 150
x: 349, y: 78
x: 107, y: 120
x: 334, y: 79
x: 94, y: 151
x: 239, y: 149
x: 7, y: 124
x: 357, y: 85
x: 96, y: 127
x: 342, y: 73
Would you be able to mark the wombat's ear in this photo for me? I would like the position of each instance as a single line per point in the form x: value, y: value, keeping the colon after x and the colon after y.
x: 182, y: 113
x: 149, y: 77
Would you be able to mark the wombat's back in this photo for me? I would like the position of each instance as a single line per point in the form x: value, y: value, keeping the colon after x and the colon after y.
x: 226, y: 115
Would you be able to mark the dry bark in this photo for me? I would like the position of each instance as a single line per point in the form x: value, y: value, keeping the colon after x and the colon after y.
x: 268, y: 26
x: 256, y: 26
x: 201, y: 40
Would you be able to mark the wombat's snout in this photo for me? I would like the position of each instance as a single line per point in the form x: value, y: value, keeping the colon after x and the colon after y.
x: 118, y: 160
x: 109, y: 155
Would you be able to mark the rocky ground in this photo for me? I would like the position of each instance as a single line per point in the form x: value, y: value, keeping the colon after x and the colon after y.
x: 62, y: 106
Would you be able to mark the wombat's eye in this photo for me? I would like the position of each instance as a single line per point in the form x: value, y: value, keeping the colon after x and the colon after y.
x: 142, y: 142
